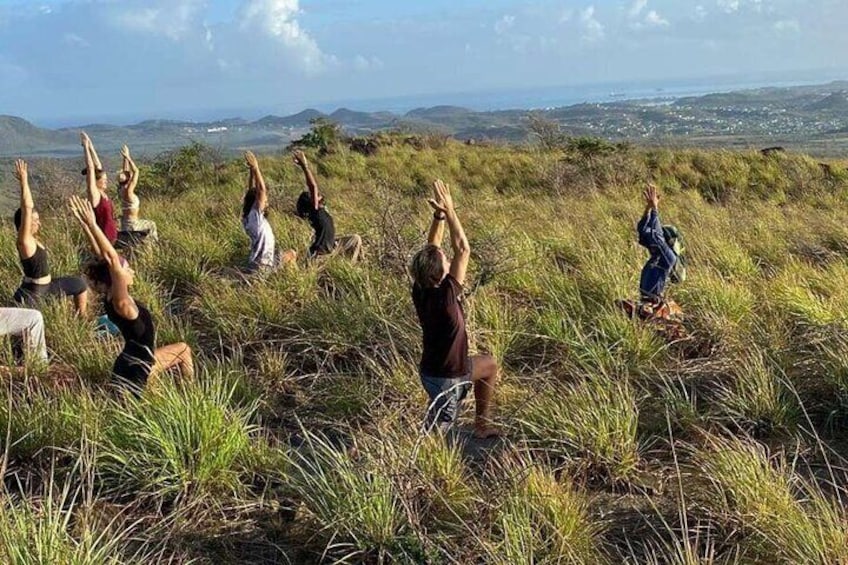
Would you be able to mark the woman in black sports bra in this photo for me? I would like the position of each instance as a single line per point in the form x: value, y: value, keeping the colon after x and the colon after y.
x: 37, y: 281
x: 140, y: 360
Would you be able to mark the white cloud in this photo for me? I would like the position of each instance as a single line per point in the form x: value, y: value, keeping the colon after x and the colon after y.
x: 209, y: 38
x: 787, y: 26
x: 593, y: 30
x: 728, y: 6
x: 653, y: 19
x: 566, y: 16
x: 504, y: 24
x: 173, y: 19
x: 636, y: 8
x: 700, y: 12
x: 75, y: 40
x: 278, y: 19
x: 362, y: 63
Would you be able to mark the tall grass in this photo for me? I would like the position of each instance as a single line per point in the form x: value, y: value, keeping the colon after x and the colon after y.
x: 179, y: 441
x: 592, y: 423
x: 332, y: 348
x: 789, y: 519
x: 544, y: 521
x: 54, y: 526
x: 354, y: 505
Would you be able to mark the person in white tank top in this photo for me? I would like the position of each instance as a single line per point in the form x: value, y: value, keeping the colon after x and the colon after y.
x: 263, y: 254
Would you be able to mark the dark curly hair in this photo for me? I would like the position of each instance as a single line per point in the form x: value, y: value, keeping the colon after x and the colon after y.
x: 304, y: 204
x: 97, y: 271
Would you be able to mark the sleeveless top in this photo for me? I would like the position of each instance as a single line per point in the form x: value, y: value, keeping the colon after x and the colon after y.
x: 105, y: 218
x: 262, y: 242
x: 36, y: 266
x: 128, y: 205
x: 138, y: 332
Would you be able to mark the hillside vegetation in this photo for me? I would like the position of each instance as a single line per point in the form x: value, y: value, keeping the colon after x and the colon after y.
x: 299, y: 441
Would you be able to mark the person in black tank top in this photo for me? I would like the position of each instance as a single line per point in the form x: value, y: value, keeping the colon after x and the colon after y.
x: 137, y: 359
x: 140, y: 360
x: 310, y: 206
x: 37, y: 281
x: 446, y: 370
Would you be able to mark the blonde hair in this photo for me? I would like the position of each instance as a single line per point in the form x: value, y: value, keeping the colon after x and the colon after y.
x: 427, y: 267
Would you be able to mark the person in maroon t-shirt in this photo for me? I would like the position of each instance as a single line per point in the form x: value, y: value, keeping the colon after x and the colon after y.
x: 446, y: 370
x: 97, y: 184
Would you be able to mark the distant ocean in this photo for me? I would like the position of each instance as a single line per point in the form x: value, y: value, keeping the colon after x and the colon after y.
x: 554, y: 97
x: 487, y: 100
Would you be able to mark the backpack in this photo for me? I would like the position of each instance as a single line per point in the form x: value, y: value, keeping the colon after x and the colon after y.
x: 675, y: 240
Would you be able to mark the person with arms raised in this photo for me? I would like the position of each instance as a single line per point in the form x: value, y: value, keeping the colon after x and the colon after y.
x: 665, y: 264
x: 310, y: 206
x: 97, y: 183
x: 254, y: 220
x: 131, y: 224
x: 140, y: 361
x: 37, y: 281
x: 446, y: 369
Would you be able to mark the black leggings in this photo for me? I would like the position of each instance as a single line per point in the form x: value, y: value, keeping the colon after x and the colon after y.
x: 30, y: 294
x: 133, y: 366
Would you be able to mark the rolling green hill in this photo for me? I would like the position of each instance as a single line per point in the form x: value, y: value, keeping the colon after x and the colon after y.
x: 806, y: 118
x: 299, y: 443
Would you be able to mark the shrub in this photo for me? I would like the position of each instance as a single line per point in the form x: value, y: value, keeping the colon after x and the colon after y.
x: 592, y: 423
x: 544, y: 521
x: 353, y: 504
x: 757, y: 492
x: 180, y: 441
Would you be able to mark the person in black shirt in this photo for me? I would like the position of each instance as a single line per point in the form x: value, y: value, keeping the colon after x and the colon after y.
x: 446, y: 370
x: 38, y: 282
x: 310, y: 206
x: 140, y: 360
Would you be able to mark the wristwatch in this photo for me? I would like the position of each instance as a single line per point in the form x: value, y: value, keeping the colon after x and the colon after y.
x: 439, y: 216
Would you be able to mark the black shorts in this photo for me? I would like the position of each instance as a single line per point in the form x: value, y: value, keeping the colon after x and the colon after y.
x: 30, y: 294
x: 133, y: 366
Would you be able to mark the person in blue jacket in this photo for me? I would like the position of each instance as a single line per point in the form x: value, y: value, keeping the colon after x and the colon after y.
x: 657, y: 271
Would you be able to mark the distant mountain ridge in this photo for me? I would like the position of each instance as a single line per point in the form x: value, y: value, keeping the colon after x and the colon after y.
x: 761, y: 113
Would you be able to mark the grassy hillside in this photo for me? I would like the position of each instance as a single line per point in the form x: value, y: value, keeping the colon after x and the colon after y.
x: 299, y: 443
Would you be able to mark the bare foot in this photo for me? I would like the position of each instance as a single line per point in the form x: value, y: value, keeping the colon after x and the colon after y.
x: 486, y: 431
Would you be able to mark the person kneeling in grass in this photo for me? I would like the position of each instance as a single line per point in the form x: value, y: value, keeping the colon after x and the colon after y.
x: 662, y: 265
x: 97, y: 184
x: 37, y: 282
x: 140, y: 361
x: 310, y: 206
x: 131, y: 225
x: 29, y: 325
x: 446, y: 370
x: 255, y: 223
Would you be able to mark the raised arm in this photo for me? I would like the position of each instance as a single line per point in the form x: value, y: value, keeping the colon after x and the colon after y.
x: 26, y: 241
x: 91, y: 166
x: 459, y: 243
x: 651, y: 230
x: 257, y: 181
x: 131, y: 169
x: 437, y: 225
x: 301, y: 161
x: 84, y: 213
x: 93, y: 152
x: 650, y: 227
x: 121, y: 299
x: 78, y: 212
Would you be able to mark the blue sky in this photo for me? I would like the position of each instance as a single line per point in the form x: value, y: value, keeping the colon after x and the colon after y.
x: 62, y: 59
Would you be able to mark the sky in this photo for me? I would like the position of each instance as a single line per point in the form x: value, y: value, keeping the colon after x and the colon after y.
x: 70, y: 59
